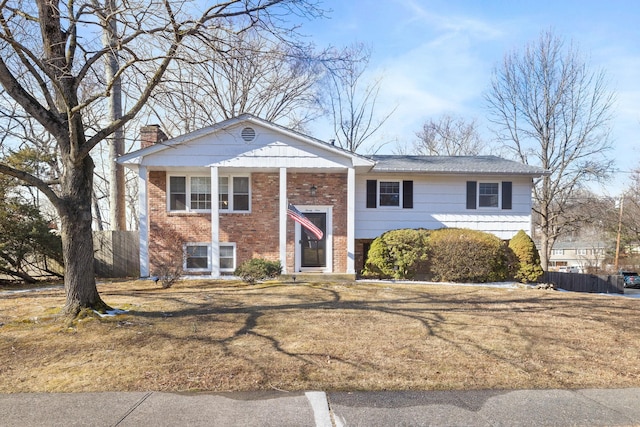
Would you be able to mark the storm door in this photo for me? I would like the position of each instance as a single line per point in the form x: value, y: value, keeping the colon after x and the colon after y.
x: 314, y: 250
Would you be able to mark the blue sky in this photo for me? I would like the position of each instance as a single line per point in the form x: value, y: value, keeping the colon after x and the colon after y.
x: 436, y: 56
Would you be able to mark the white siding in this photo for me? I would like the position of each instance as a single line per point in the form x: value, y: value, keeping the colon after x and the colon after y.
x: 440, y: 201
x: 268, y: 149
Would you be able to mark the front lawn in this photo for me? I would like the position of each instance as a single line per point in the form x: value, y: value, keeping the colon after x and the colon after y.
x: 221, y: 336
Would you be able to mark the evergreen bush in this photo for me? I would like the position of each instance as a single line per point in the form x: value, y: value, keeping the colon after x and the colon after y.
x: 257, y: 269
x: 528, y: 269
x: 27, y: 245
x: 398, y: 254
x: 463, y: 255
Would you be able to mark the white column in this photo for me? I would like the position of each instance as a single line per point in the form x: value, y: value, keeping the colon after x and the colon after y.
x: 283, y: 219
x: 351, y: 220
x: 143, y: 226
x: 215, y: 224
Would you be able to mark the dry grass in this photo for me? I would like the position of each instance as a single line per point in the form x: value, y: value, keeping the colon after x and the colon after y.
x: 222, y: 336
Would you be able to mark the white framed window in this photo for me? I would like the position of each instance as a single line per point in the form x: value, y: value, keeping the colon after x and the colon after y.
x: 389, y: 193
x: 234, y: 193
x: 196, y: 257
x: 488, y: 194
x: 200, y: 193
x: 177, y: 193
x: 582, y: 251
x: 557, y: 251
x: 227, y: 257
x: 192, y: 193
x: 189, y: 193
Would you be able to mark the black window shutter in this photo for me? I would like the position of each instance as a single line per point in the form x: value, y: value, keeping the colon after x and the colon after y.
x: 506, y: 194
x: 407, y: 194
x: 471, y: 194
x: 372, y: 189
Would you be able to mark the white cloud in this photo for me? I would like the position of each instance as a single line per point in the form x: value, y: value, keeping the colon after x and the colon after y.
x: 436, y: 56
x: 442, y: 74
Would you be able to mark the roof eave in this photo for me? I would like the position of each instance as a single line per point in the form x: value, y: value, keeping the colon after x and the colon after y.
x: 460, y: 172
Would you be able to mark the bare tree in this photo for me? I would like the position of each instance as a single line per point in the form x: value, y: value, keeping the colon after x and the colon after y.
x: 49, y: 47
x: 352, y: 104
x: 449, y: 136
x: 550, y: 110
x: 628, y: 214
x: 242, y: 73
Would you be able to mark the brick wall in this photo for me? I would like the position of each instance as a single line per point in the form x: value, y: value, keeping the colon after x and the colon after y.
x: 331, y: 191
x: 168, y: 231
x: 361, y: 249
x: 256, y: 234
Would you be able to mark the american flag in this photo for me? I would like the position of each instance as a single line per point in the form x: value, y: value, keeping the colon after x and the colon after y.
x: 298, y: 217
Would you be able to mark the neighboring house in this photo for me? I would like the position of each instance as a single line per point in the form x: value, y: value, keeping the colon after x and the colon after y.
x: 580, y: 256
x: 216, y: 197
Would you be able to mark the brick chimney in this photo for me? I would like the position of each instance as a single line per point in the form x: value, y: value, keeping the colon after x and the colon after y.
x: 151, y: 134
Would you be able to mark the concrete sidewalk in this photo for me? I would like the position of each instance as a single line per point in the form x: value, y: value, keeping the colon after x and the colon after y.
x: 618, y: 407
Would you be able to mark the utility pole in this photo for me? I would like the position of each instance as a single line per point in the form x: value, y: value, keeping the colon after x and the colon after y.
x: 117, y: 209
x: 618, y: 237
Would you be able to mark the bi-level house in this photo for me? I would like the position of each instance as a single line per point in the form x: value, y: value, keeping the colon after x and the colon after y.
x: 219, y: 196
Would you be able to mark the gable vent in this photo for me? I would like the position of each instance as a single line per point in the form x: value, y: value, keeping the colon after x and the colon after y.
x: 248, y: 134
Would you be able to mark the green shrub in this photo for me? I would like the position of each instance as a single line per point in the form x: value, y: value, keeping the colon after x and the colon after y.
x: 398, y: 254
x: 528, y: 267
x: 462, y: 255
x: 258, y: 269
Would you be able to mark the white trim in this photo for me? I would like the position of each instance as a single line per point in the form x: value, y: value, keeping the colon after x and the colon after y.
x: 213, y: 262
x: 328, y: 210
x: 499, y: 204
x: 231, y: 192
x: 215, y: 224
x: 400, y: 194
x: 187, y: 178
x: 351, y: 220
x: 214, y: 191
x: 143, y: 225
x: 184, y: 257
x: 235, y: 259
x: 137, y: 157
x: 283, y: 219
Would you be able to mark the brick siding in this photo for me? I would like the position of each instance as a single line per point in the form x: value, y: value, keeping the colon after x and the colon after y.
x: 256, y: 234
x: 331, y: 191
x: 361, y: 249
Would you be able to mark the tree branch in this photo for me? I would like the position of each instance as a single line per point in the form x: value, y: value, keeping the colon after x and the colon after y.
x: 40, y: 184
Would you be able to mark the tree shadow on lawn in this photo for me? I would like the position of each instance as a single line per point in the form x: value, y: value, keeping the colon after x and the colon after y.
x: 436, y: 313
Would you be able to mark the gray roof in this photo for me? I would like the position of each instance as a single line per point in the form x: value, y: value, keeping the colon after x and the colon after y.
x: 579, y: 244
x: 453, y: 165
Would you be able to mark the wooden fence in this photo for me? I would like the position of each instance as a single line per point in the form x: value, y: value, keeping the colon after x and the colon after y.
x: 116, y: 253
x: 577, y: 282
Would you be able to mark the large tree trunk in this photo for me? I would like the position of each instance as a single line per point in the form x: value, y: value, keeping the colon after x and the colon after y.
x: 544, y: 251
x: 77, y: 239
